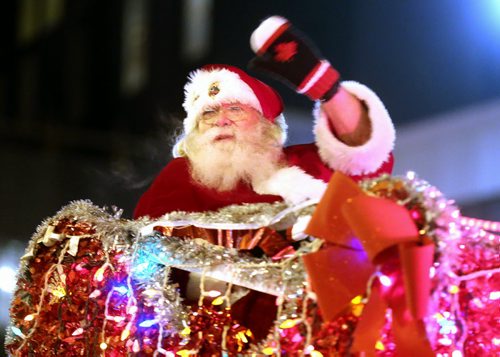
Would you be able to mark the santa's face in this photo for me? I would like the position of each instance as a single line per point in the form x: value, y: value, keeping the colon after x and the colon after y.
x: 228, y: 121
x: 233, y: 143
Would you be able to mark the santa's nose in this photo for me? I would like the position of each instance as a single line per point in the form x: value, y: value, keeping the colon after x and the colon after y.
x: 223, y: 120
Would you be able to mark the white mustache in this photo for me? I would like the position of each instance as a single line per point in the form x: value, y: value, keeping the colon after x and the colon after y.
x: 211, y: 134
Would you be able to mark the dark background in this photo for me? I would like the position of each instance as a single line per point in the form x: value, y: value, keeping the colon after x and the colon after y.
x: 91, y: 91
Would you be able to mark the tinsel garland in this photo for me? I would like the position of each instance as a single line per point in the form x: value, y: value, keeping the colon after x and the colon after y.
x: 245, y: 216
x: 93, y: 283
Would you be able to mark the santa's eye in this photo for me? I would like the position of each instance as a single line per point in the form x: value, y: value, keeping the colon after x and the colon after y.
x: 235, y: 108
x: 209, y: 112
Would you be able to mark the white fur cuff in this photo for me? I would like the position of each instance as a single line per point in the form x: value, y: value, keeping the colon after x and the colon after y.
x: 293, y: 184
x: 363, y: 159
x: 265, y: 30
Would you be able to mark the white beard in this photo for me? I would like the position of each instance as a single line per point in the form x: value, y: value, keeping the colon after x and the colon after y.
x: 221, y: 165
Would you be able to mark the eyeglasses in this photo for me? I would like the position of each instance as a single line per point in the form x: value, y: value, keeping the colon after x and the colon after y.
x: 233, y: 112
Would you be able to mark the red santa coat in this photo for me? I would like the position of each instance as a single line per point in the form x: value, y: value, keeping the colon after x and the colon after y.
x: 175, y: 190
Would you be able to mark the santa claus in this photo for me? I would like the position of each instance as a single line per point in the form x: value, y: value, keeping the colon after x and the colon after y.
x: 232, y: 148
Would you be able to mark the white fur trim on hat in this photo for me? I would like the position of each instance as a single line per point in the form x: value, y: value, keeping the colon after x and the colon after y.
x: 230, y: 88
x: 363, y: 159
x: 265, y: 30
x: 293, y: 184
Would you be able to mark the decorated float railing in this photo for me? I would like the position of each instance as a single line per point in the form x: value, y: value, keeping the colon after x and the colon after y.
x: 384, y: 268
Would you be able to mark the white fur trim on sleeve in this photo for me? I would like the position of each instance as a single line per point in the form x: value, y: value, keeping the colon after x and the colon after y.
x: 363, y: 159
x: 293, y: 184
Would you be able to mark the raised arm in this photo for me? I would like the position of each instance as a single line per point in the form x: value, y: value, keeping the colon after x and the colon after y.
x: 354, y: 132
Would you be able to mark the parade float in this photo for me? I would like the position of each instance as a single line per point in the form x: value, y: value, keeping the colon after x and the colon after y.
x: 388, y: 267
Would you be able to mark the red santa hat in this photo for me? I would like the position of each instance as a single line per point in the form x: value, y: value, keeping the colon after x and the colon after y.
x: 216, y: 84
